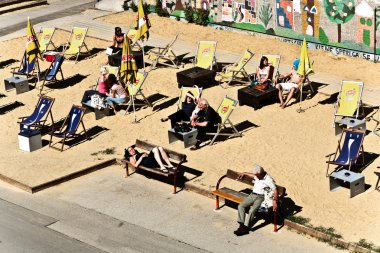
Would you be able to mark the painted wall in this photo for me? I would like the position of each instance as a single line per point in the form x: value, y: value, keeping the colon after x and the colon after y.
x: 348, y: 24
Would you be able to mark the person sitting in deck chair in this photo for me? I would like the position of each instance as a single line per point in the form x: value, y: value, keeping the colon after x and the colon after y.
x: 102, y: 86
x: 262, y: 72
x: 205, y: 119
x: 117, y: 93
x: 184, y: 114
x: 151, y: 160
x: 291, y: 85
x: 117, y: 47
x: 262, y: 182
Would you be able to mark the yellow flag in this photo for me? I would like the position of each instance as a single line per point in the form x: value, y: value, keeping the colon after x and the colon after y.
x: 305, y: 66
x: 142, y: 23
x: 32, y: 46
x: 128, y: 68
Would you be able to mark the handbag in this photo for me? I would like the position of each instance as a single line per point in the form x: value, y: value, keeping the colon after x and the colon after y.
x: 261, y: 86
x: 182, y: 127
x: 97, y: 102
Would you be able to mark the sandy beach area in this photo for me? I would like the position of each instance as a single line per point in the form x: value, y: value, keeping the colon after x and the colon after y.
x: 290, y: 146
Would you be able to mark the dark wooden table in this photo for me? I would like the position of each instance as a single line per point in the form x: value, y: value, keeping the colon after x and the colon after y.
x: 256, y: 98
x: 196, y: 76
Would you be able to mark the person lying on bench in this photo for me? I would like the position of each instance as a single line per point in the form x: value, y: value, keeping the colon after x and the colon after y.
x: 291, y: 85
x: 205, y: 120
x: 151, y: 160
x: 262, y: 182
x: 184, y: 114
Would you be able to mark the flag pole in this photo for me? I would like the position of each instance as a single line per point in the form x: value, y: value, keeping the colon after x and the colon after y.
x: 133, y: 104
x: 300, y: 110
x: 143, y: 55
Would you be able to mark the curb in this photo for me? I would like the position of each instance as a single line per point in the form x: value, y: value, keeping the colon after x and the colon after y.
x: 54, y: 182
x: 33, y: 4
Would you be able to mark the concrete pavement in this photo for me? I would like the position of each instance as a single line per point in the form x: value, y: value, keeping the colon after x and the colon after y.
x: 138, y: 214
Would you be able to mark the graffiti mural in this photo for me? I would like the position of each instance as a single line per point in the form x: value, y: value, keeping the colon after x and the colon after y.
x: 349, y: 24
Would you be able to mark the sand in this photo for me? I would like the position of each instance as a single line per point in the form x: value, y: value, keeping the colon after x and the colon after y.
x: 290, y: 146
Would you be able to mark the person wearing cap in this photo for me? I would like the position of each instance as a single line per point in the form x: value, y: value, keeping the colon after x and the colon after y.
x: 291, y: 85
x: 102, y: 86
x: 262, y: 182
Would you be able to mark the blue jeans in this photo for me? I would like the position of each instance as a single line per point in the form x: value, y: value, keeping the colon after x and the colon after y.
x: 111, y: 100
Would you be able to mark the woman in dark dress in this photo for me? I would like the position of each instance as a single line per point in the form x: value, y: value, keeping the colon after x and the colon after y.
x: 187, y: 108
x: 151, y: 160
x: 117, y: 47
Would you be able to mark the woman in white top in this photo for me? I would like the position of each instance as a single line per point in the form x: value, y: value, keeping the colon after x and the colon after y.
x: 262, y: 72
x: 117, y: 93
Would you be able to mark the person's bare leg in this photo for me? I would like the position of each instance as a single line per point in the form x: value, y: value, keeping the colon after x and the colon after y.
x: 278, y: 86
x: 292, y: 90
x: 158, y: 158
x: 165, y: 156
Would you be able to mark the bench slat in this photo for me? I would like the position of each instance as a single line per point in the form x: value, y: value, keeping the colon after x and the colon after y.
x: 230, y: 194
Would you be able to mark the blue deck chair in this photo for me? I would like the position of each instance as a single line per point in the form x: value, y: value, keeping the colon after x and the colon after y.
x: 348, y: 153
x: 70, y: 126
x: 26, y: 68
x: 52, y: 71
x: 40, y: 114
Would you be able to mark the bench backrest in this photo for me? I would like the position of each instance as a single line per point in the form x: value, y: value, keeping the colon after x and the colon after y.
x: 248, y: 180
x: 172, y: 154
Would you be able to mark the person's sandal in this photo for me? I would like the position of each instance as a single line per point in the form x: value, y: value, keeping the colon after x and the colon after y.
x: 164, y: 170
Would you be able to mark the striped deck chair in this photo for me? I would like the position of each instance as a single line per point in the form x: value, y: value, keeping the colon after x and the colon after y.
x: 224, y: 110
x: 135, y: 90
x: 205, y: 57
x: 40, y: 114
x: 44, y: 38
x: 69, y: 127
x: 347, y: 154
x: 52, y: 71
x: 134, y: 42
x: 236, y: 72
x: 164, y: 55
x: 376, y: 130
x: 76, y: 42
x: 26, y: 68
x: 349, y: 100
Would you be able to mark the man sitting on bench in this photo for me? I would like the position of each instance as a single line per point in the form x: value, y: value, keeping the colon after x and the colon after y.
x: 262, y: 182
x: 205, y: 120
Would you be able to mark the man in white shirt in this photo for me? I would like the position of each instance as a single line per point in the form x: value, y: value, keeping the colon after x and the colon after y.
x: 262, y: 181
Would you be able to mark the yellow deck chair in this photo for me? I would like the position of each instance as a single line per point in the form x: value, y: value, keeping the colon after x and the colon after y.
x: 135, y: 90
x: 224, y: 110
x: 76, y: 42
x: 195, y: 90
x: 274, y: 60
x: 44, y: 38
x: 205, y: 57
x: 164, y: 55
x: 236, y: 72
x: 134, y: 42
x: 349, y: 100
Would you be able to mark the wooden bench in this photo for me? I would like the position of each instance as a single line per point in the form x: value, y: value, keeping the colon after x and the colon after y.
x: 238, y: 196
x: 177, y: 157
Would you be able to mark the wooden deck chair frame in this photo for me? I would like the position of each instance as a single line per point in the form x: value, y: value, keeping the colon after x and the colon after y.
x: 164, y: 55
x: 41, y: 123
x: 341, y: 96
x: 338, y: 149
x: 42, y: 37
x: 30, y: 73
x: 305, y: 81
x: 199, y: 48
x: 134, y: 43
x: 54, y: 79
x: 224, y: 110
x: 237, y: 73
x: 134, y: 94
x: 82, y: 44
x: 184, y: 90
x: 376, y: 129
x: 51, y: 144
